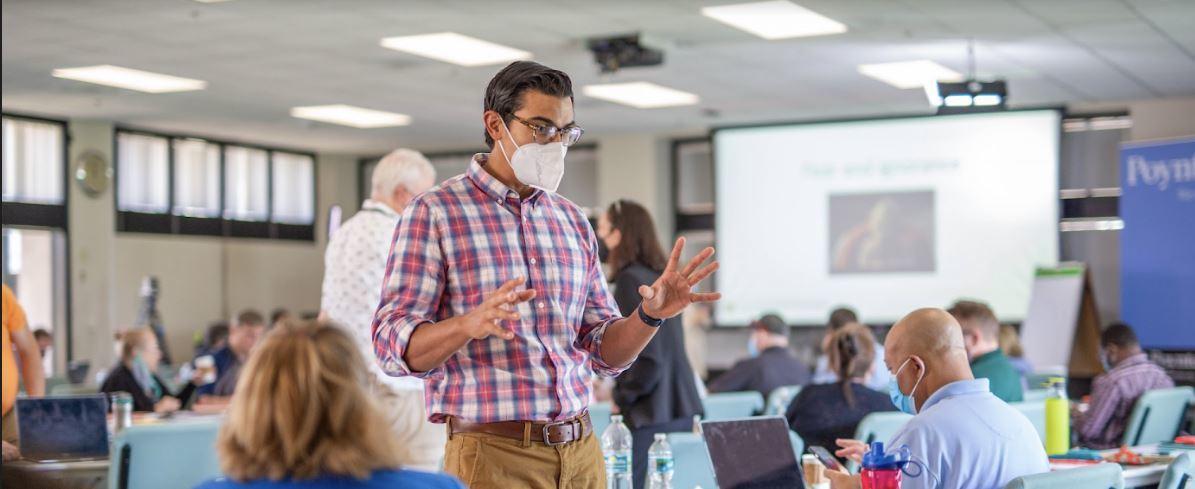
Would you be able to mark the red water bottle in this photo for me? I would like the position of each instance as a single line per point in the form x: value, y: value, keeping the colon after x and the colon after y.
x: 882, y: 470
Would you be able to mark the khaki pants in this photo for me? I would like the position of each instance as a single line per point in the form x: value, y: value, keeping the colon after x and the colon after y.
x: 422, y: 441
x: 484, y: 461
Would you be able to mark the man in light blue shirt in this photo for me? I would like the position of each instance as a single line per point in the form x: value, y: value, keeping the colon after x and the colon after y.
x: 962, y: 436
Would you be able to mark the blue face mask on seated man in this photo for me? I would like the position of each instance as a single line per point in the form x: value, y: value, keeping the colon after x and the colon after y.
x: 905, y: 403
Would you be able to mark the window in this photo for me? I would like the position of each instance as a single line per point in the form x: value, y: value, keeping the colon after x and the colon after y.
x: 34, y: 238
x: 246, y: 183
x: 693, y: 198
x: 579, y: 183
x: 694, y: 177
x: 143, y: 169
x: 33, y: 161
x: 293, y: 183
x: 693, y: 184
x: 184, y: 185
x: 35, y: 269
x: 196, y: 178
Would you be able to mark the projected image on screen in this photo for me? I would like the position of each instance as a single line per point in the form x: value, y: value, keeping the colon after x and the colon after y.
x: 881, y: 232
x: 886, y: 216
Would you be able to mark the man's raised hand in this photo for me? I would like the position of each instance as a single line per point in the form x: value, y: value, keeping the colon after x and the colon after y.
x: 673, y: 291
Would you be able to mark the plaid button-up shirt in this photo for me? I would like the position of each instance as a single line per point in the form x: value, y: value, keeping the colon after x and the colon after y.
x: 1113, y: 396
x: 459, y: 242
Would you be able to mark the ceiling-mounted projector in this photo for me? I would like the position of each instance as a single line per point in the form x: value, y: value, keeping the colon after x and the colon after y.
x: 617, y: 52
x: 967, y: 96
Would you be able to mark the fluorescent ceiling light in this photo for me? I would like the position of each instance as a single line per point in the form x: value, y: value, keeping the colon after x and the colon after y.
x: 454, y: 48
x: 774, y: 20
x: 641, y: 95
x: 348, y: 115
x: 910, y: 74
x: 130, y: 79
x: 958, y: 100
x: 987, y: 99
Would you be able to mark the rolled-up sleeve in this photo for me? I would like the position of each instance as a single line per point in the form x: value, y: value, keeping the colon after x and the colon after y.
x: 411, y: 289
x: 600, y: 312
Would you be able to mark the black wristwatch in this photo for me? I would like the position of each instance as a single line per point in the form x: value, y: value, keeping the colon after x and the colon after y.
x: 648, y: 320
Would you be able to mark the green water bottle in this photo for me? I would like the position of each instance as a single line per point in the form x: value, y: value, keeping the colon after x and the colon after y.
x: 1058, y: 418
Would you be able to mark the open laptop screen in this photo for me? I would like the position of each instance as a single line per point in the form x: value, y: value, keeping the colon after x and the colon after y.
x: 63, y: 428
x: 752, y: 453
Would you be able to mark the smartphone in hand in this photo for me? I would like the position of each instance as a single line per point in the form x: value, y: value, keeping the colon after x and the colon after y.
x: 825, y: 457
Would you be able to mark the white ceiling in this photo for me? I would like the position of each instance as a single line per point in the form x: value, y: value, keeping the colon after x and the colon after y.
x: 262, y: 57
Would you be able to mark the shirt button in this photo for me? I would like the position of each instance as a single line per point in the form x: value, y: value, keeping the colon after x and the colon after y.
x: 542, y: 305
x: 533, y: 261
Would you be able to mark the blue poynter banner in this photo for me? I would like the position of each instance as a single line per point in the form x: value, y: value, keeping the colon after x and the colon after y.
x: 1157, y: 245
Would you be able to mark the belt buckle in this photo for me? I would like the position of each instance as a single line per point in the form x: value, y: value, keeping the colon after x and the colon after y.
x: 548, y: 439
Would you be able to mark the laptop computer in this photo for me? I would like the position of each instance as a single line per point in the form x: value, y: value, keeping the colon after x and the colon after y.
x: 63, y: 428
x: 752, y: 453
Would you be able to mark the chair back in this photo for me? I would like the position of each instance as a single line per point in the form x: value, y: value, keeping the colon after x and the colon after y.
x: 177, y: 454
x: 1158, y: 416
x: 780, y: 398
x: 1101, y: 476
x: 732, y: 405
x: 798, y: 444
x: 1036, y: 412
x: 691, y: 462
x: 599, y: 414
x: 881, y: 426
x: 1180, y: 474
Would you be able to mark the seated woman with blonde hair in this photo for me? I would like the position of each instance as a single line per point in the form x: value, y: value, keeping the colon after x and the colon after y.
x: 140, y: 357
x: 301, y: 417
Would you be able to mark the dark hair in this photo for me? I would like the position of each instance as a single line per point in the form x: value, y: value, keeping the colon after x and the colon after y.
x: 216, y: 333
x: 1119, y: 334
x: 639, y: 243
x: 978, y: 315
x: 278, y: 314
x: 504, y: 94
x: 841, y: 317
x: 249, y: 317
x: 852, y: 351
x: 40, y: 333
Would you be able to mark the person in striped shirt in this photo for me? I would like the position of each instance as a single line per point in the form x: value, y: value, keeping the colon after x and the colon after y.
x: 1113, y: 394
x: 494, y: 295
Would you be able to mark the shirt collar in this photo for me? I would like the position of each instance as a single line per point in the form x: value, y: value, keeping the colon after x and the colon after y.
x: 493, y: 187
x: 1131, y: 361
x: 956, y: 388
x: 373, y: 205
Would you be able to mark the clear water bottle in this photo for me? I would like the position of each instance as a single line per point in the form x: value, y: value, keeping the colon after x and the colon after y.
x: 659, y: 463
x: 616, y: 446
x: 122, y: 411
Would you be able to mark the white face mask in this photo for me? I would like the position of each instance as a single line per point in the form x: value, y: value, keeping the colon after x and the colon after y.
x: 537, y: 165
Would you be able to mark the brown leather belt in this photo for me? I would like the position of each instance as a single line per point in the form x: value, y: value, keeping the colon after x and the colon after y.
x: 549, y: 433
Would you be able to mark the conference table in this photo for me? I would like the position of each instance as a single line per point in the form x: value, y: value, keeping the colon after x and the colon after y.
x: 1134, y: 475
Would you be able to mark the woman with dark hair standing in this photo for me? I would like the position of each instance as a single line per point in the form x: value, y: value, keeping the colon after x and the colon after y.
x: 822, y: 413
x: 658, y: 394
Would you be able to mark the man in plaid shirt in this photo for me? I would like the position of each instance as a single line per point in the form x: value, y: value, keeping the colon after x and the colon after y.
x: 494, y: 294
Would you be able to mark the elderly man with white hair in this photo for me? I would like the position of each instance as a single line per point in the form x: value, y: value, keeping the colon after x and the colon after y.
x: 354, y: 264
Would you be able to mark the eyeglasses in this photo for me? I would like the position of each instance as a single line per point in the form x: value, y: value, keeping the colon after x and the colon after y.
x: 545, y: 133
